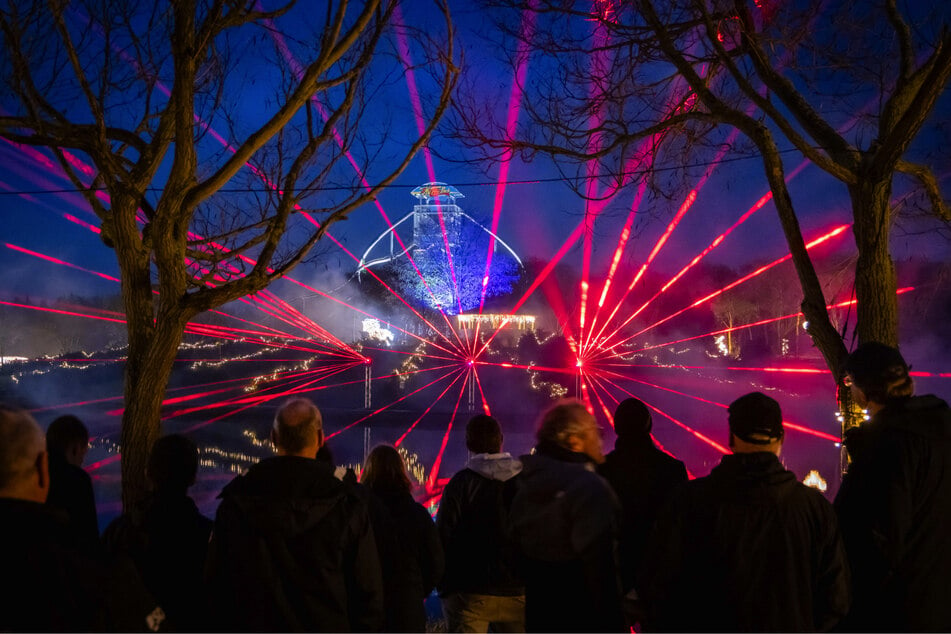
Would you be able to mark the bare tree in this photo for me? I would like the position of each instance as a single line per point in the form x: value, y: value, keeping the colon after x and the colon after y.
x: 130, y: 97
x: 850, y: 86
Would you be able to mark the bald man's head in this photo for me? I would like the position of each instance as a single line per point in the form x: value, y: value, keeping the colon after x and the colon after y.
x: 24, y: 466
x: 298, y: 428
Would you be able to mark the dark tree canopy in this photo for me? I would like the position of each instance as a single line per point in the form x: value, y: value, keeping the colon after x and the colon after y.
x: 215, y: 141
x: 623, y: 88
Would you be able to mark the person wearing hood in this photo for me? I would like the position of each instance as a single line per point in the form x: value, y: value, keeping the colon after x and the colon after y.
x: 565, y: 521
x: 747, y: 548
x: 481, y: 587
x: 292, y: 547
x: 894, y: 504
x: 643, y: 477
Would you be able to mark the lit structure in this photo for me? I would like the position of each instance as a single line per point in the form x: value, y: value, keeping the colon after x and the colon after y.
x: 505, y: 329
x: 815, y: 481
x: 376, y: 332
x: 448, y: 249
x: 521, y: 322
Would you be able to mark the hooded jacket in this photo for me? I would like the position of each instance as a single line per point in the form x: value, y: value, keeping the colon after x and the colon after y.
x: 473, y: 525
x: 293, y: 550
x: 565, y: 522
x: 894, y: 506
x: 746, y: 549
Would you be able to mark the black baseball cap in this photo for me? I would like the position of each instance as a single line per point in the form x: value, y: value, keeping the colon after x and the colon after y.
x: 756, y: 418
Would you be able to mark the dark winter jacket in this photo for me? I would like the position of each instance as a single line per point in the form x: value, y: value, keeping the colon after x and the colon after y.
x: 746, y: 549
x: 54, y: 583
x: 71, y: 491
x: 643, y: 477
x: 411, y: 558
x: 894, y: 507
x: 293, y: 550
x: 473, y: 524
x: 564, y: 522
x: 167, y: 539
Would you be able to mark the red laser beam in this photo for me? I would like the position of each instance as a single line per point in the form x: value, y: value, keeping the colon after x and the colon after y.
x: 434, y: 472
x: 43, y: 309
x: 400, y: 440
x: 801, y: 428
x: 485, y: 403
x: 764, y: 322
x: 691, y: 197
x: 261, y: 396
x: 759, y: 204
x: 522, y: 55
x: 279, y: 40
x: 340, y: 431
x: 622, y: 243
x: 48, y: 258
x: 610, y: 418
x: 568, y: 243
x: 814, y: 243
x: 455, y: 353
x: 705, y: 439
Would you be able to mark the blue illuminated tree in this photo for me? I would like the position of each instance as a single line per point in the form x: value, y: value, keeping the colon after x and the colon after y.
x: 456, y: 284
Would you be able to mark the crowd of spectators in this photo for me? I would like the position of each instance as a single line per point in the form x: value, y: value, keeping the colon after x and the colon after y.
x: 564, y: 538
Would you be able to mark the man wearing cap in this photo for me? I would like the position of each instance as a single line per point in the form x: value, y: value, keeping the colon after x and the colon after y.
x: 894, y: 504
x: 748, y: 547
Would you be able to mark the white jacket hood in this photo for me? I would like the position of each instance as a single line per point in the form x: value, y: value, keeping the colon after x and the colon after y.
x: 495, y: 466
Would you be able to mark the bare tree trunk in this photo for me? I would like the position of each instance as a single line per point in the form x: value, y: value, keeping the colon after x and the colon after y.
x: 155, y: 325
x: 813, y: 306
x: 875, y: 279
x: 143, y: 397
x: 147, y: 375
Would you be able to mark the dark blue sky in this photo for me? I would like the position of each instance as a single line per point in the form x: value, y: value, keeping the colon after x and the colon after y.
x: 535, y: 219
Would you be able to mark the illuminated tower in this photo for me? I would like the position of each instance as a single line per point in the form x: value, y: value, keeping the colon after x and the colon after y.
x: 449, y: 249
x: 435, y: 214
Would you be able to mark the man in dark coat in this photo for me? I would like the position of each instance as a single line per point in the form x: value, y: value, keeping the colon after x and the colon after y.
x: 894, y: 503
x: 166, y: 536
x: 481, y: 587
x: 67, y: 441
x: 53, y: 582
x: 292, y: 547
x: 564, y: 522
x: 747, y: 548
x: 643, y: 477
